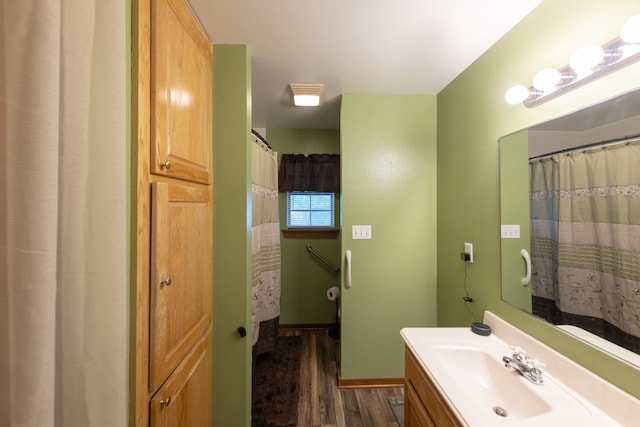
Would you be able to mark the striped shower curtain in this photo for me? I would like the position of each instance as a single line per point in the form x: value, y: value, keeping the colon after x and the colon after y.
x: 265, y: 237
x: 585, y: 240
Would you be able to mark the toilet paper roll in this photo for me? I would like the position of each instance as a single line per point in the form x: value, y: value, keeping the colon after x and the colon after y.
x: 333, y: 293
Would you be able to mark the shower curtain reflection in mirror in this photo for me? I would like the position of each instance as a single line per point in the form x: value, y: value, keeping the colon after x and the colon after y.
x: 585, y: 240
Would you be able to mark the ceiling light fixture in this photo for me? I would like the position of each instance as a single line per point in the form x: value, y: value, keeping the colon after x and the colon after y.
x: 306, y: 94
x: 588, y: 63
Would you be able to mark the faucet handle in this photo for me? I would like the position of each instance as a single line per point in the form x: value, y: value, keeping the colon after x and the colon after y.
x: 518, y: 352
x: 534, y: 370
x: 535, y: 363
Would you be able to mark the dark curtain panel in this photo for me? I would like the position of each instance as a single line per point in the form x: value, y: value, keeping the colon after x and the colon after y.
x: 316, y: 172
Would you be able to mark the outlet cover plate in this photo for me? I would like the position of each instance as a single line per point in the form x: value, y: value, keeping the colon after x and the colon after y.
x: 468, y: 249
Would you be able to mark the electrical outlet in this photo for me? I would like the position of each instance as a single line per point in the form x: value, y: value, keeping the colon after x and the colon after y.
x: 468, y: 249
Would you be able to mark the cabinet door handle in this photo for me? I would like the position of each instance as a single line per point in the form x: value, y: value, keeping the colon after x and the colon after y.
x: 166, y: 165
x: 166, y: 402
x: 166, y: 282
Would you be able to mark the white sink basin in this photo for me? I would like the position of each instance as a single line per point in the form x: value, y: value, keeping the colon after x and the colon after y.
x: 469, y: 371
x: 489, y: 385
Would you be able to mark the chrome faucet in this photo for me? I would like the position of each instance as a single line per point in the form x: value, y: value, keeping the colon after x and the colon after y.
x: 523, y: 364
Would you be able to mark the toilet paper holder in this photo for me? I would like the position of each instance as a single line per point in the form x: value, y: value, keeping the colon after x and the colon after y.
x: 333, y: 293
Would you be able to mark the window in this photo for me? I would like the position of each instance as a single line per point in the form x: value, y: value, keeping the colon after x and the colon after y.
x: 310, y: 209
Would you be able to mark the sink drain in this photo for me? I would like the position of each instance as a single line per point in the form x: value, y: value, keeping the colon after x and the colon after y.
x: 500, y: 411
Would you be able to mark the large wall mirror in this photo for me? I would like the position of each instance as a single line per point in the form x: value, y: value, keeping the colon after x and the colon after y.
x: 570, y: 214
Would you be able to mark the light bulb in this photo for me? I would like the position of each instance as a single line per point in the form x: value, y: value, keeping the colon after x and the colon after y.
x: 546, y: 79
x: 630, y: 32
x: 586, y: 57
x: 516, y: 94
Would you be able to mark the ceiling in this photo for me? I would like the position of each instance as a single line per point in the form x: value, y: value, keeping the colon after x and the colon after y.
x: 353, y: 46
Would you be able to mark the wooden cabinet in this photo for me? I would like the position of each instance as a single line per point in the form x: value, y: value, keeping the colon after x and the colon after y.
x: 181, y: 271
x: 424, y: 405
x: 415, y: 414
x: 184, y: 400
x: 172, y: 227
x: 181, y: 93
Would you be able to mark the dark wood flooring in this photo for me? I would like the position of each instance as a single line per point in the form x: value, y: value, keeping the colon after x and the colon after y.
x: 322, y: 404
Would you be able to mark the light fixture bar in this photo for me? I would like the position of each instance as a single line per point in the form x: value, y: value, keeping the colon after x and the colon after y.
x: 618, y: 54
x: 306, y: 94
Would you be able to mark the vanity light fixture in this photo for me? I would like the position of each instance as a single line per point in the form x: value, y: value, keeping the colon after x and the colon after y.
x: 547, y: 79
x: 306, y: 94
x: 630, y: 32
x: 516, y: 94
x: 586, y: 58
x: 587, y: 63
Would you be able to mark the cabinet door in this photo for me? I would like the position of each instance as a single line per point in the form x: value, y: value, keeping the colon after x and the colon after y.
x: 415, y: 414
x: 181, y: 274
x: 185, y: 399
x: 426, y: 396
x: 181, y: 98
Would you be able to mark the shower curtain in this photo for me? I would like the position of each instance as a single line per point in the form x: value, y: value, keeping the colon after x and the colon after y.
x: 63, y: 190
x: 265, y: 237
x: 585, y: 240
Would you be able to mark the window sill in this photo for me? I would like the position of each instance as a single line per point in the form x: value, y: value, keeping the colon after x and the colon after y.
x: 310, y: 233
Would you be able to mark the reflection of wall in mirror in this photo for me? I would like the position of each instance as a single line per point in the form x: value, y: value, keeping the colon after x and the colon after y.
x: 514, y: 210
x: 542, y: 142
x: 605, y: 345
x: 611, y: 119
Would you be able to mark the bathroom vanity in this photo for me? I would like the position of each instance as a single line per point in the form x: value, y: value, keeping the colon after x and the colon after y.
x: 423, y: 403
x: 454, y: 377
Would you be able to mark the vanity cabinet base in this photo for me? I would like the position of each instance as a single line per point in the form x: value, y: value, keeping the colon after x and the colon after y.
x: 424, y: 405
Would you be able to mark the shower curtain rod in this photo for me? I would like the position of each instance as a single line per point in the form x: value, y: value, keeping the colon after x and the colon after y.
x: 264, y: 142
x: 606, y: 142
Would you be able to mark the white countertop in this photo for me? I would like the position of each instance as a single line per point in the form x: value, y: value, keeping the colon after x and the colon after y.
x: 461, y: 365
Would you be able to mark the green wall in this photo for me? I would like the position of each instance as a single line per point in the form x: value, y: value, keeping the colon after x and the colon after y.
x: 388, y: 161
x: 231, y: 235
x: 304, y: 280
x: 472, y: 116
x: 514, y: 204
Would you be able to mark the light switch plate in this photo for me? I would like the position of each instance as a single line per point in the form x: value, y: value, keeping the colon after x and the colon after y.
x: 510, y: 231
x: 359, y: 232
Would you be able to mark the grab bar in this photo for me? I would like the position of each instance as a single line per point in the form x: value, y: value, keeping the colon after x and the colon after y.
x: 347, y: 280
x: 527, y: 261
x: 333, y: 268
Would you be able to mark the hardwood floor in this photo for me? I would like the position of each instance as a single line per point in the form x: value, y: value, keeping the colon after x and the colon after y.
x: 321, y: 403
